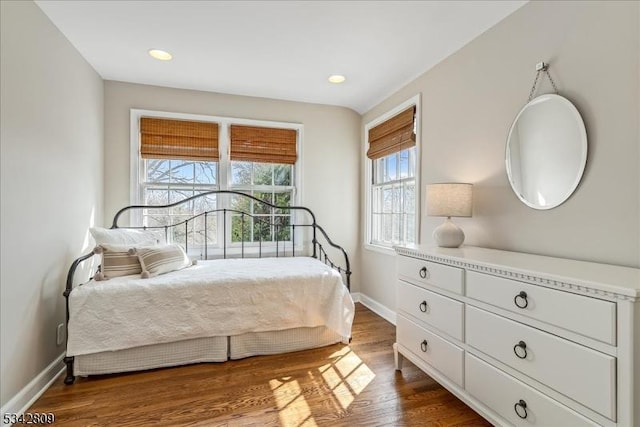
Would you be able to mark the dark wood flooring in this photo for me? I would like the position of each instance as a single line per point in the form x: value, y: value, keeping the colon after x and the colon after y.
x: 340, y: 385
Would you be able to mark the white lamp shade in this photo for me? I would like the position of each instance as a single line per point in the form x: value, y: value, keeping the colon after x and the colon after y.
x: 449, y: 199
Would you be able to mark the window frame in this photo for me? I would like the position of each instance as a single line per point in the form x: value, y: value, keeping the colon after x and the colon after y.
x: 136, y: 179
x: 368, y: 175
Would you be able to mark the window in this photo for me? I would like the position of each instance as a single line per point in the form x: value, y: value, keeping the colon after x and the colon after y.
x: 392, y: 178
x: 393, y: 211
x: 177, y: 157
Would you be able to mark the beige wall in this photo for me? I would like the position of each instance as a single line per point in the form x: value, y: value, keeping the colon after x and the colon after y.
x: 51, y: 184
x: 469, y: 101
x: 330, y: 151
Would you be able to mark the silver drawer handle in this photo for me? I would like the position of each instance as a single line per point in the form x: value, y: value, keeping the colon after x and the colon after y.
x: 520, y: 350
x: 424, y: 273
x: 423, y: 346
x: 423, y: 306
x: 521, y: 409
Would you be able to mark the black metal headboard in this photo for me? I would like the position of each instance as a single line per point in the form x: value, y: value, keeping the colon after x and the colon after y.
x: 283, y: 233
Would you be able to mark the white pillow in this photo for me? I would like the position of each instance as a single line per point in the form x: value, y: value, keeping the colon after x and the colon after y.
x: 126, y: 236
x: 162, y: 259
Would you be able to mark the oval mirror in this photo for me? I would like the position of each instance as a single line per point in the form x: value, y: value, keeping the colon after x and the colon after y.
x: 546, y: 151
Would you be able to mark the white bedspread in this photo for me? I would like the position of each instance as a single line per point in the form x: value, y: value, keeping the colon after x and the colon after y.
x: 212, y: 298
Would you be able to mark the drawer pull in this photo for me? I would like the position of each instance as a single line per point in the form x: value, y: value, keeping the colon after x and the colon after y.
x: 423, y: 346
x: 424, y: 273
x: 521, y: 409
x: 423, y: 306
x: 522, y: 353
x: 522, y: 296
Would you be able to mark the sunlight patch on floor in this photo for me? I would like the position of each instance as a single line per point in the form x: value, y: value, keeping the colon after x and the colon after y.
x: 293, y: 408
x: 345, y: 374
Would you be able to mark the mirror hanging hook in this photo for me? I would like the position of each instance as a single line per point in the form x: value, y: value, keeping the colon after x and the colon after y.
x: 541, y: 67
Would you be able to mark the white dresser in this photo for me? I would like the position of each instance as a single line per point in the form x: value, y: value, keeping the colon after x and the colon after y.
x: 525, y: 340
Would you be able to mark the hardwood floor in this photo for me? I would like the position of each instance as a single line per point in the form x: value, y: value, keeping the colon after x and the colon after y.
x: 340, y: 385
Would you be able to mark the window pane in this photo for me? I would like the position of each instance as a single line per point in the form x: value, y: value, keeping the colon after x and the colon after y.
x: 283, y: 230
x: 240, y: 203
x: 179, y: 232
x: 282, y: 199
x: 388, y: 200
x: 204, y: 204
x: 397, y: 199
x: 282, y: 174
x: 261, y: 208
x: 392, y: 166
x: 395, y: 221
x: 155, y: 197
x: 241, y: 228
x: 410, y: 197
x: 206, y: 172
x: 158, y: 170
x: 241, y: 173
x: 404, y: 163
x: 262, y: 174
x: 176, y: 195
x: 262, y: 229
x: 387, y: 227
x: 181, y: 171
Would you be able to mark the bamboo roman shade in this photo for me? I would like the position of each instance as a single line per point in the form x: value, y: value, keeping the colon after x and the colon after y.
x: 393, y: 135
x: 178, y: 139
x: 265, y: 145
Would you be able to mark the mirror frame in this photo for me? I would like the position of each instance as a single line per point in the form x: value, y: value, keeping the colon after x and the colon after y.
x: 583, y: 160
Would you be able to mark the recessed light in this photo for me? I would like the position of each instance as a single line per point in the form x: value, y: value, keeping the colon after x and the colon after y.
x: 337, y: 78
x: 160, y: 54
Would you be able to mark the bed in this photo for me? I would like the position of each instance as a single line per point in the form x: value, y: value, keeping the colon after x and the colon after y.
x: 231, y: 301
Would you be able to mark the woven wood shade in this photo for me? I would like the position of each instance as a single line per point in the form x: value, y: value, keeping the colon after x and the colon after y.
x: 393, y: 135
x: 265, y: 145
x: 178, y: 139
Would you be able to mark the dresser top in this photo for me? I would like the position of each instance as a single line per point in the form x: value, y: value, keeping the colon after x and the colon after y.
x: 581, y: 275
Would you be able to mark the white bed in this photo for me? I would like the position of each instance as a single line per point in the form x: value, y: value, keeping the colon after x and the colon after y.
x: 210, y: 312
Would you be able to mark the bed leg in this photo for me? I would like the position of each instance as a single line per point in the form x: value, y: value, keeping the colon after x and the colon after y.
x: 69, y: 379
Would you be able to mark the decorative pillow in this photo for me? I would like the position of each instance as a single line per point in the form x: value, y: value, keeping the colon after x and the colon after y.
x: 117, y: 261
x: 126, y: 236
x: 162, y: 259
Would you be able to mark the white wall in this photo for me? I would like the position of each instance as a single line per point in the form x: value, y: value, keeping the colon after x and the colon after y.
x: 51, y: 184
x: 469, y: 101
x: 330, y: 149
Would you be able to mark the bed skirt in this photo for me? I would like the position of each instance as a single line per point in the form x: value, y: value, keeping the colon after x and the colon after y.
x: 213, y: 349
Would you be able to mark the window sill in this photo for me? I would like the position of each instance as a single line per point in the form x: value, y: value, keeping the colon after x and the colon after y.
x: 380, y: 249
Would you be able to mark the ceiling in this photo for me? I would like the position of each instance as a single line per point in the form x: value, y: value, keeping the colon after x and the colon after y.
x: 274, y: 49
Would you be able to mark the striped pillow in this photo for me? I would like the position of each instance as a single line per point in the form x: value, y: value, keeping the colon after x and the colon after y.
x: 118, y: 260
x: 162, y: 259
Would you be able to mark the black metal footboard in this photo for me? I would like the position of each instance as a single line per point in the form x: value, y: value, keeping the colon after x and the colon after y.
x: 232, y: 225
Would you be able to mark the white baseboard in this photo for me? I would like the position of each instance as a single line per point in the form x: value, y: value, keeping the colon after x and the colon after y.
x: 32, y: 391
x: 373, y: 305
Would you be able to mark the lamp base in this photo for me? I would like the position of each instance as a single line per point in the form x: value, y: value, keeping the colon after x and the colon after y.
x: 448, y: 235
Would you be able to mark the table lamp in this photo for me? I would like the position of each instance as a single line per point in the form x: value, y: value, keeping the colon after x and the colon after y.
x: 449, y: 199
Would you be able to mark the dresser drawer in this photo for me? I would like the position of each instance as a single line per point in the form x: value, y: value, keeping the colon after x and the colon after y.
x: 421, y: 272
x: 437, y: 352
x: 587, y: 316
x: 585, y: 375
x: 505, y: 394
x: 438, y: 311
